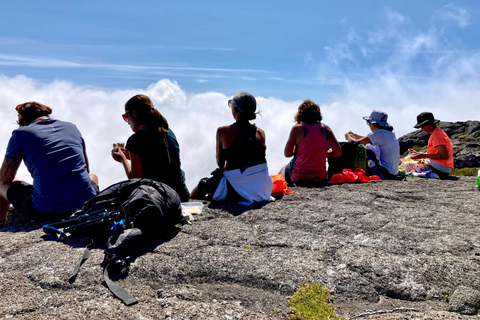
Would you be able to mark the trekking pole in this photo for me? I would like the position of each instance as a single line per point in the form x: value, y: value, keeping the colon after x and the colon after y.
x: 106, y: 216
x: 53, y: 233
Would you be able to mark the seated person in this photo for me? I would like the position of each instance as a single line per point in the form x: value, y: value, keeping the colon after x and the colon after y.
x: 54, y: 153
x: 242, y: 174
x: 310, y: 143
x: 381, y: 135
x: 439, y: 155
x: 153, y: 148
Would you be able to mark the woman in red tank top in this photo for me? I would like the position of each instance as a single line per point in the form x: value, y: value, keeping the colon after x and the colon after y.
x: 310, y: 143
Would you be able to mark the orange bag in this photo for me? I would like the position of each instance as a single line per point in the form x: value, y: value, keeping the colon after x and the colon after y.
x: 279, y: 186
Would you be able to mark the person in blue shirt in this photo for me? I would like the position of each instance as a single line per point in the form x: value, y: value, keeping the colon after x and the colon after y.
x: 152, y: 149
x: 381, y: 135
x: 54, y: 154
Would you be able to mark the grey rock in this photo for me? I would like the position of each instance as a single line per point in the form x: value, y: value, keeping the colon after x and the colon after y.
x: 465, y: 300
x: 376, y: 246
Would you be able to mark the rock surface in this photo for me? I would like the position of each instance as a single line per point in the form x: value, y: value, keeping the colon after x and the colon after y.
x: 465, y: 138
x: 383, y: 246
x: 465, y: 300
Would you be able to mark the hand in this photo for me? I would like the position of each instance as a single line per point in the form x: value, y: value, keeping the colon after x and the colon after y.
x: 349, y: 136
x: 120, y: 154
x: 418, y: 156
x: 414, y: 155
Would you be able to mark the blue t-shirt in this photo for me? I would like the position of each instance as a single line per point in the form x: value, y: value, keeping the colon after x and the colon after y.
x: 389, y: 149
x: 53, y: 152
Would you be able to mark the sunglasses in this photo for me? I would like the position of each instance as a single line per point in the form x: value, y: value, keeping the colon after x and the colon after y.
x: 125, y: 117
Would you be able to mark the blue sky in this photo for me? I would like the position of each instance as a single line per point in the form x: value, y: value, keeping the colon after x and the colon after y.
x: 285, y: 49
x: 85, y: 59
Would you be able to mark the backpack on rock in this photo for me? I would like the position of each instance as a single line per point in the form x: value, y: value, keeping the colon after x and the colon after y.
x: 120, y: 217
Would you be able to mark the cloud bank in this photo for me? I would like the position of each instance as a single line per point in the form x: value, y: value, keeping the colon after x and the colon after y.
x: 195, y: 117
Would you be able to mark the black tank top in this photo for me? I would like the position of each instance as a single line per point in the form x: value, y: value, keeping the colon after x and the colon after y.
x: 245, y: 151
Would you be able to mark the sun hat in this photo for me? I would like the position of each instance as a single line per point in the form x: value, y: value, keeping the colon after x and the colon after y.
x: 424, y: 118
x: 378, y: 117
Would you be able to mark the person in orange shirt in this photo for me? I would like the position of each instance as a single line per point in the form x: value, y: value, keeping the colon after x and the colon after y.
x: 439, y: 155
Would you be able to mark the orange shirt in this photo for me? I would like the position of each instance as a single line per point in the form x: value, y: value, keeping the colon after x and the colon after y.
x: 439, y: 138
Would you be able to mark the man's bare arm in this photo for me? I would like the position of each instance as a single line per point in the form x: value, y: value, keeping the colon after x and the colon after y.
x: 9, y: 170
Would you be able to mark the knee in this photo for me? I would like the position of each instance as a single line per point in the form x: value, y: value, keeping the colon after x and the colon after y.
x: 93, y: 177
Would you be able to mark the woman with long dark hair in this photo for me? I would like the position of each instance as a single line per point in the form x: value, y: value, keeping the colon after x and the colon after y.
x: 153, y: 149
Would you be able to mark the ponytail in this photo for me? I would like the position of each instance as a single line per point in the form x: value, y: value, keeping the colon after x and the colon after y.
x: 147, y: 115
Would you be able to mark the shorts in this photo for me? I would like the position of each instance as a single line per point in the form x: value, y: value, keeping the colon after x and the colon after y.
x: 289, y: 170
x: 439, y: 167
x: 19, y: 195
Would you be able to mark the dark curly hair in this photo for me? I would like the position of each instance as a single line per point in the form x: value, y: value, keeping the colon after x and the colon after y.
x: 308, y: 112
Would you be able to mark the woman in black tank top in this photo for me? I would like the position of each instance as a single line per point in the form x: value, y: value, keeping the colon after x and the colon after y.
x: 239, y: 145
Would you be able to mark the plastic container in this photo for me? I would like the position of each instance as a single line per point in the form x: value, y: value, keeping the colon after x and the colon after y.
x: 478, y: 180
x: 192, y: 207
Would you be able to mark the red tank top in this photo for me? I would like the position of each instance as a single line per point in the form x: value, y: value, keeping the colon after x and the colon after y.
x: 311, y: 155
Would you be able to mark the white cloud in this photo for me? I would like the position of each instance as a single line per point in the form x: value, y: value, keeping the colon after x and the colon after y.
x: 452, y: 12
x: 41, y: 62
x: 195, y: 117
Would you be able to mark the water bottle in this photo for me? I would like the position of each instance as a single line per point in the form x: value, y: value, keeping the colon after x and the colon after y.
x: 361, y: 157
x: 478, y: 180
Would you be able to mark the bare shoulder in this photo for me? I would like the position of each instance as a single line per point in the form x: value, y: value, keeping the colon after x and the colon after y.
x: 261, y: 136
x: 297, y: 126
x: 260, y: 131
x: 328, y: 128
x: 224, y: 130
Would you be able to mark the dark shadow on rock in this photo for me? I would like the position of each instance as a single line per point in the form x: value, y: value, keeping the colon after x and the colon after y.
x: 236, y: 209
x: 18, y: 223
x: 310, y: 184
x: 453, y: 178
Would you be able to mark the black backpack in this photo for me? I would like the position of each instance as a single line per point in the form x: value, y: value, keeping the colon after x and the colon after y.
x: 351, y: 154
x: 120, y: 217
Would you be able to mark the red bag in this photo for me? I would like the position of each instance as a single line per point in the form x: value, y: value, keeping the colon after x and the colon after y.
x: 338, y: 178
x: 359, y: 170
x: 362, y: 178
x: 351, y: 177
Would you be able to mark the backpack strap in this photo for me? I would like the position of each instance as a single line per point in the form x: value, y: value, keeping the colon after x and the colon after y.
x: 86, y: 255
x: 117, y: 290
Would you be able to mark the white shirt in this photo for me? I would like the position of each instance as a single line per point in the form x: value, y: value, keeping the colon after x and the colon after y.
x: 254, y: 184
x: 389, y: 149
